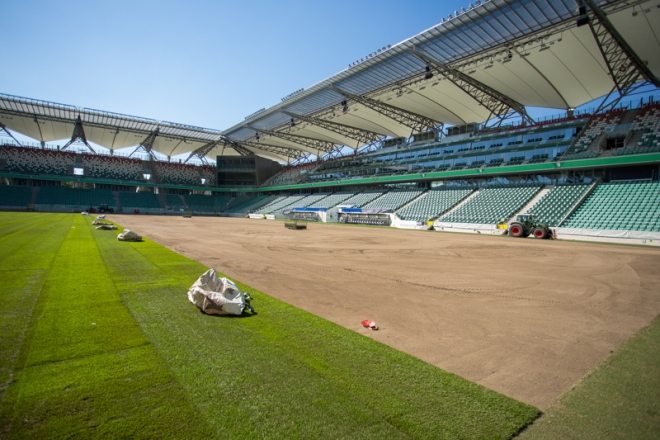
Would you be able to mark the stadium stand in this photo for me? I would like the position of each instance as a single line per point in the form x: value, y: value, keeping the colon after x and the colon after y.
x: 558, y: 202
x: 332, y: 200
x: 139, y: 200
x: 590, y: 134
x: 647, y: 126
x: 633, y: 206
x: 394, y: 199
x: 16, y: 196
x: 245, y: 204
x: 37, y: 161
x: 280, y: 203
x: 112, y: 167
x: 310, y: 200
x: 291, y: 174
x: 208, y: 172
x: 177, y: 173
x: 361, y: 199
x: 433, y: 203
x: 73, y: 197
x: 174, y: 202
x: 492, y: 204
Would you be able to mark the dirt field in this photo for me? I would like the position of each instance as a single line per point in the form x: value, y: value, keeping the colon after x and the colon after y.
x: 524, y: 317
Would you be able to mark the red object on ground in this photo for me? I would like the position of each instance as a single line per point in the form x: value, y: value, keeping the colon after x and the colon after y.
x: 370, y: 324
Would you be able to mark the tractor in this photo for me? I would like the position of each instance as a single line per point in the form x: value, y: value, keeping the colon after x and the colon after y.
x: 524, y: 225
x: 105, y: 208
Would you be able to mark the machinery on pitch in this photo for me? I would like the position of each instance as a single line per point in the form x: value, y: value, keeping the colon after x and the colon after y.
x: 525, y: 225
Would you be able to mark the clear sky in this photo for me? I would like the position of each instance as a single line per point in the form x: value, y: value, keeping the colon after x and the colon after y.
x: 203, y: 63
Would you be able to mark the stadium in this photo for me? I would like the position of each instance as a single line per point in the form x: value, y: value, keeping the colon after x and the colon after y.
x: 416, y: 186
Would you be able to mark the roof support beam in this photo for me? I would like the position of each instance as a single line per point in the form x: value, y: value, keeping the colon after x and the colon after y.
x: 202, y: 151
x: 78, y: 135
x: 362, y: 136
x: 625, y: 66
x: 3, y: 128
x: 148, y: 143
x: 495, y: 102
x: 417, y: 123
x: 313, y: 144
x: 281, y: 151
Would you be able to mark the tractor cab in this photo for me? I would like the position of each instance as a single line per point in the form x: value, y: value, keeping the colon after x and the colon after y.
x: 525, y: 218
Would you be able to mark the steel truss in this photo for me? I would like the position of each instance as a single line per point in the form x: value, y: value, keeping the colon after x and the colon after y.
x: 3, y: 128
x: 148, y: 143
x: 626, y: 68
x: 311, y: 143
x: 281, y: 151
x: 78, y: 135
x: 495, y: 102
x: 363, y: 136
x: 417, y: 123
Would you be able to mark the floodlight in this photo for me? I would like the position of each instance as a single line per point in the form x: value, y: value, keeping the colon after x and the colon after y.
x: 344, y: 106
x: 429, y: 74
x: 293, y: 123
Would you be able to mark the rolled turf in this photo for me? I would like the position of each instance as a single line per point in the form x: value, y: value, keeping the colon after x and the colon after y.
x: 102, y: 342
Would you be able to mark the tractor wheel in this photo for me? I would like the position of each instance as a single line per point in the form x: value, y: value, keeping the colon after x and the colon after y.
x: 516, y: 230
x: 540, y: 233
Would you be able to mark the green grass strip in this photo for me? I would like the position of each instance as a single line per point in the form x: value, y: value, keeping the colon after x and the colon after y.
x: 620, y: 399
x: 84, y: 368
x: 285, y: 373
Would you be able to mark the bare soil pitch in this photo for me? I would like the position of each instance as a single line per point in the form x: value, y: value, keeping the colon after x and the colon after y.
x: 524, y: 317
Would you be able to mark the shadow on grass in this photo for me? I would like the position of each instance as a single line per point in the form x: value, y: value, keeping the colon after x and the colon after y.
x: 242, y: 315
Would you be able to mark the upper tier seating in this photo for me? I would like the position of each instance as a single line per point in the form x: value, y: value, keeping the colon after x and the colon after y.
x: 11, y: 195
x: 290, y: 174
x: 394, y: 199
x: 631, y: 206
x: 433, y: 203
x: 647, y: 122
x: 491, y: 205
x: 36, y: 161
x: 557, y: 203
x: 177, y: 173
x: 74, y: 197
x: 112, y: 167
x: 595, y: 128
x: 141, y: 200
x: 208, y: 173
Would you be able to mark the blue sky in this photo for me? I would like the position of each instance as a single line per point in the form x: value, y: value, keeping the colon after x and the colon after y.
x: 202, y: 63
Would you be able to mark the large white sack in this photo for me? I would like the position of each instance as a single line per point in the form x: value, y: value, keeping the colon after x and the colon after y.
x: 216, y: 296
x: 129, y: 235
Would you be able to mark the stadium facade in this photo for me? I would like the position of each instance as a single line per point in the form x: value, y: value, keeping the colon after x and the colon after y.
x: 433, y: 129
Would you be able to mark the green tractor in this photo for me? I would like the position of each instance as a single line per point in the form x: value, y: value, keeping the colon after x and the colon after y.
x: 524, y: 225
x: 106, y: 209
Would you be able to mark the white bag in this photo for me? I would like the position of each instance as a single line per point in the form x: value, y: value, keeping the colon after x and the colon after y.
x: 216, y: 296
x: 129, y: 235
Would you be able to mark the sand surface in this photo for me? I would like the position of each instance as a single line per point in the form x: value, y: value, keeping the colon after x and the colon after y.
x: 524, y: 317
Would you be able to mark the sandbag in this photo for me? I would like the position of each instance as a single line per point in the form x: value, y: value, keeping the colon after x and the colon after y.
x: 217, y: 296
x: 129, y: 235
x: 107, y: 227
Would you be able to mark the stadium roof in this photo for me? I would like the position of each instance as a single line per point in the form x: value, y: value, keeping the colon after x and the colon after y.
x: 497, y: 57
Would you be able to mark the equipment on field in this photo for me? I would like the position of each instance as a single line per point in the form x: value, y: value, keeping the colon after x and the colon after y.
x: 218, y: 296
x: 187, y: 214
x: 129, y: 235
x: 106, y: 208
x: 295, y: 224
x: 524, y: 225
